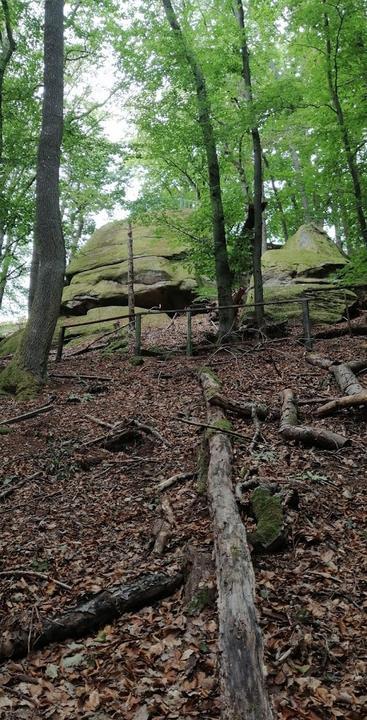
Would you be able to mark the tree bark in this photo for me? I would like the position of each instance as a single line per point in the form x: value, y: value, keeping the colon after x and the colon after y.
x: 244, y: 693
x: 307, y: 435
x: 91, y: 614
x: 222, y: 269
x: 258, y: 172
x: 332, y: 77
x: 29, y: 366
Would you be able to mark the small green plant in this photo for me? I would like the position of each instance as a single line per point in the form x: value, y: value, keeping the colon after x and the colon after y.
x: 309, y: 476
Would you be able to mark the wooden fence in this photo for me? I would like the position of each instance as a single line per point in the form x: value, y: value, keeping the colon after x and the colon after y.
x: 304, y: 302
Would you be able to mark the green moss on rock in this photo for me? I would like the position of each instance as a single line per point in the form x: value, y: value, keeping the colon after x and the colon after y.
x: 305, y: 264
x: 268, y: 511
x: 10, y: 344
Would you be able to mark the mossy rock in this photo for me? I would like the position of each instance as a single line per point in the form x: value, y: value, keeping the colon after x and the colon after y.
x: 306, y: 264
x: 267, y: 508
x: 99, y: 273
x: 9, y: 345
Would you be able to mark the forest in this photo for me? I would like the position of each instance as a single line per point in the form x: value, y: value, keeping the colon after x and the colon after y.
x: 183, y: 323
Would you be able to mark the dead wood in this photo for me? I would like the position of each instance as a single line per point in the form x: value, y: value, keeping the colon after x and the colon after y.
x: 339, y: 332
x: 307, y: 435
x: 243, y: 686
x: 80, y: 376
x: 257, y: 434
x: 150, y: 430
x: 98, y: 421
x: 14, y: 488
x: 347, y: 380
x: 19, y: 573
x: 355, y: 366
x: 164, y: 527
x: 343, y: 403
x: 242, y: 409
x: 211, y: 427
x: 90, y: 614
x: 164, y: 484
x: 28, y: 415
x: 200, y: 587
x: 111, y: 440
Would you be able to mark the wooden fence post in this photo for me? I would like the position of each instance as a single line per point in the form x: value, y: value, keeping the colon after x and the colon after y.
x: 138, y: 334
x: 307, y: 324
x: 60, y: 344
x: 189, y: 334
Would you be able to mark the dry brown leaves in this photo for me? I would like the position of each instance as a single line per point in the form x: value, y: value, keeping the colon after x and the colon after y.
x: 88, y: 519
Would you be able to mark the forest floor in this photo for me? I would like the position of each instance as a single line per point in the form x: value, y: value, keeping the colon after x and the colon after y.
x: 87, y: 520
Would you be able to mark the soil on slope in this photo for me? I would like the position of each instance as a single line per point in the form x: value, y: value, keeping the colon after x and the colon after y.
x: 88, y: 521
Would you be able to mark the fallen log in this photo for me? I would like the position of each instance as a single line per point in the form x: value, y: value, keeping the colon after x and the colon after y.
x: 305, y: 434
x: 324, y: 362
x: 343, y: 403
x: 91, y: 614
x: 243, y: 687
x: 339, y: 332
x: 347, y: 380
x: 242, y: 409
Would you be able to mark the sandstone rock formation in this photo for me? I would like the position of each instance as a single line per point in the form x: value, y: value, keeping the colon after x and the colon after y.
x: 98, y: 274
x: 304, y: 266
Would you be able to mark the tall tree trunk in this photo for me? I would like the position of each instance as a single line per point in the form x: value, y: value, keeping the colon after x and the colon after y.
x: 29, y: 365
x: 222, y: 269
x: 258, y: 172
x: 332, y: 77
x: 7, y: 47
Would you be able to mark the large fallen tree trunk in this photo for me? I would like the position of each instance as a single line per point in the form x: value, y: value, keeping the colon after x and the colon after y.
x: 244, y: 693
x: 91, y: 614
x: 307, y: 435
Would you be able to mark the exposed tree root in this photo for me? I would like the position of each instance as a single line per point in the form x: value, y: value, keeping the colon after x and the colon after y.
x: 243, y: 685
x: 91, y: 614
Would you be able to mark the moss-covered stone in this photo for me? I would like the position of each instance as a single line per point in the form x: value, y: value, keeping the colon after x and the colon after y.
x: 15, y: 380
x: 136, y: 360
x: 4, y: 430
x: 99, y: 273
x: 303, y: 266
x: 10, y: 344
x: 268, y: 512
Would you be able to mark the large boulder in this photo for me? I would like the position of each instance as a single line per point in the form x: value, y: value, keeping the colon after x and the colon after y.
x: 98, y: 274
x: 305, y: 265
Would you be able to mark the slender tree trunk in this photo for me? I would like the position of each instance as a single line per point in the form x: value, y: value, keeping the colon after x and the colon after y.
x: 332, y: 77
x: 278, y: 201
x: 297, y: 167
x: 29, y: 365
x: 222, y: 269
x: 130, y: 275
x: 258, y: 172
x: 7, y: 47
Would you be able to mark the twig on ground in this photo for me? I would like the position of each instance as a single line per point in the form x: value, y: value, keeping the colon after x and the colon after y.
x: 19, y: 572
x: 28, y: 415
x: 13, y: 488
